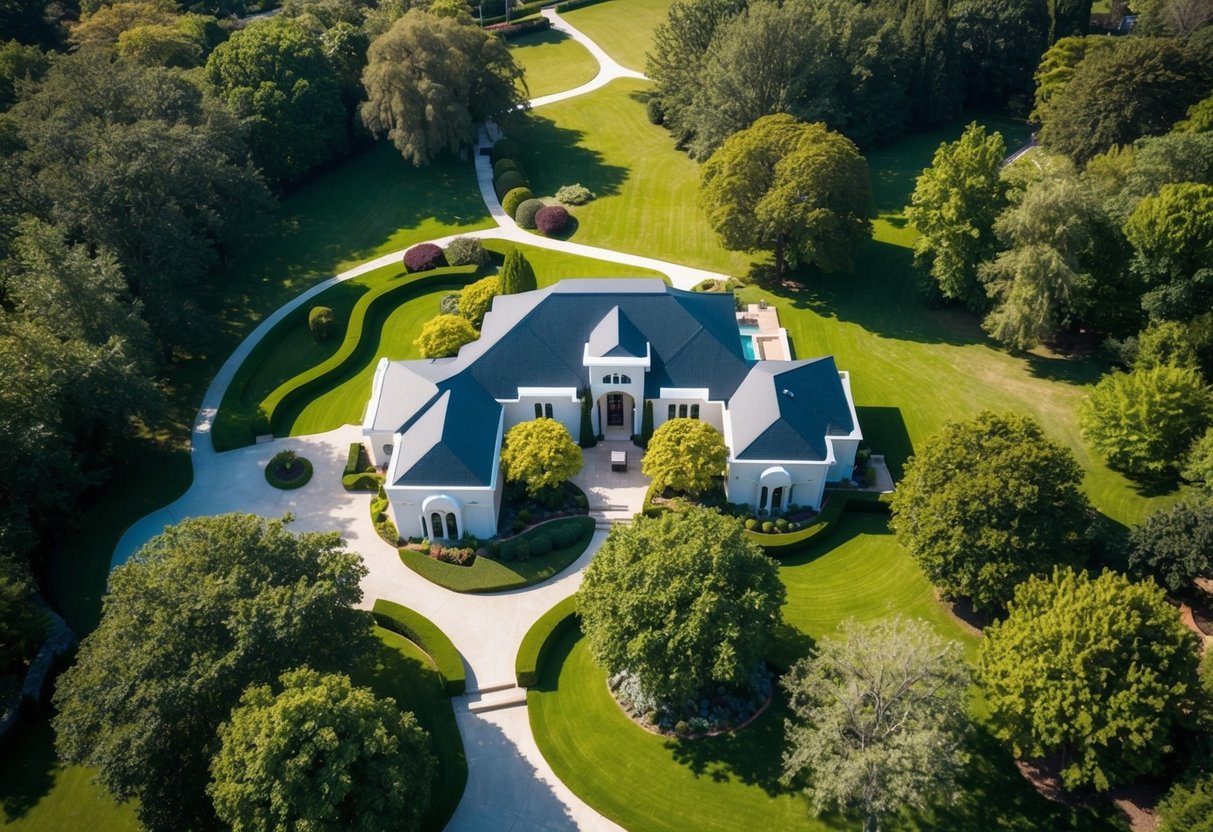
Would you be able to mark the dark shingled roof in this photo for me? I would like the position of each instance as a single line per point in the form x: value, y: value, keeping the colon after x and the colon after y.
x: 452, y: 440
x: 785, y: 409
x: 617, y: 337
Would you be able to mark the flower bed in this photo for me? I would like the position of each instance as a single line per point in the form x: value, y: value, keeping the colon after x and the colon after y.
x: 287, y: 470
x: 711, y: 713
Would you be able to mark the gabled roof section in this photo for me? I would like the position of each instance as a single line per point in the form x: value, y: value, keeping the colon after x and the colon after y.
x: 785, y: 410
x: 452, y: 441
x: 399, y: 391
x: 616, y: 336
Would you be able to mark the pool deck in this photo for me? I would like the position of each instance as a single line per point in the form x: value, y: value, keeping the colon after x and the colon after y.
x: 771, y: 342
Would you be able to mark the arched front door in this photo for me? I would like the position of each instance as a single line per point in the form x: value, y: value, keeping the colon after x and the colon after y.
x: 616, y: 410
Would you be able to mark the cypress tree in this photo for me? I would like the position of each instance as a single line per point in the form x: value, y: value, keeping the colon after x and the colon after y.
x: 646, y: 424
x: 516, y: 274
x: 587, y: 439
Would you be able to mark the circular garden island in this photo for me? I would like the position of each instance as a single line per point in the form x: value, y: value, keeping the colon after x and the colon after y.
x: 287, y: 470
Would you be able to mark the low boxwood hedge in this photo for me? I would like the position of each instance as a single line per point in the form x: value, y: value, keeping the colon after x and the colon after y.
x: 288, y: 483
x: 366, y: 481
x: 550, y: 627
x: 425, y: 634
x: 782, y: 545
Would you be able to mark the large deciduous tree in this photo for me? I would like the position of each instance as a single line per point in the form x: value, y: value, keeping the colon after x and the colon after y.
x: 540, y: 454
x: 1172, y: 234
x: 1188, y: 807
x: 954, y: 205
x: 442, y: 336
x: 1175, y: 545
x: 203, y: 611
x: 1144, y: 422
x: 1096, y: 670
x: 988, y: 502
x: 799, y: 190
x: 275, y: 78
x: 686, y: 455
x: 431, y: 81
x: 1000, y: 42
x: 682, y: 603
x: 22, y: 623
x: 880, y: 718
x: 321, y: 755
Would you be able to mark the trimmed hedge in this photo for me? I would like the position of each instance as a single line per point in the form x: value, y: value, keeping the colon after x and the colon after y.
x: 288, y: 485
x: 549, y: 628
x: 320, y: 321
x: 552, y: 219
x: 782, y: 545
x: 425, y: 634
x: 509, y: 181
x: 386, y: 298
x: 423, y: 258
x: 353, y: 459
x: 525, y: 214
x: 504, y: 148
x: 514, y: 199
x: 502, y: 165
x: 361, y: 482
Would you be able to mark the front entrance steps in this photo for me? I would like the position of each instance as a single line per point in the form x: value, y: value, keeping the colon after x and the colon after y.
x: 495, y: 697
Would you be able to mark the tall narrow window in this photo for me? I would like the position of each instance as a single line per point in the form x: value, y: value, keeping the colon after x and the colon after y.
x: 547, y: 410
x: 452, y: 528
x: 777, y: 499
x: 682, y: 411
x: 694, y: 411
x: 672, y: 411
x: 425, y: 530
x: 436, y: 526
x: 762, y: 499
x: 538, y: 410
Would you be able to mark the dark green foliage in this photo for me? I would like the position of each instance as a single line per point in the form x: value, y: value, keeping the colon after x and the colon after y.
x: 507, y: 182
x: 502, y: 165
x: 1172, y: 233
x: 683, y: 603
x: 1099, y: 671
x: 320, y: 322
x: 22, y: 622
x: 551, y: 625
x: 515, y: 198
x: 287, y: 470
x: 646, y: 424
x: 1000, y: 43
x: 505, y: 148
x: 143, y: 702
x: 525, y: 213
x: 18, y: 63
x: 429, y: 637
x: 986, y: 503
x: 586, y: 436
x: 1188, y: 807
x: 1141, y: 87
x: 466, y: 251
x: 516, y: 273
x: 1175, y: 545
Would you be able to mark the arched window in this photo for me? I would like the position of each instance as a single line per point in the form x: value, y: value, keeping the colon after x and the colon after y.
x: 777, y: 499
x: 547, y: 410
x: 606, y: 379
x: 624, y: 380
x: 436, y: 526
x: 762, y: 499
x: 452, y: 528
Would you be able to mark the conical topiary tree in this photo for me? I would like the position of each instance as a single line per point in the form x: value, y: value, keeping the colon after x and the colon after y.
x: 587, y: 439
x: 516, y: 274
x: 646, y: 424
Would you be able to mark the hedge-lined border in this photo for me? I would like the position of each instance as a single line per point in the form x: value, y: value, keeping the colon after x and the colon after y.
x: 551, y: 625
x: 425, y: 634
x: 305, y: 384
x: 789, y: 543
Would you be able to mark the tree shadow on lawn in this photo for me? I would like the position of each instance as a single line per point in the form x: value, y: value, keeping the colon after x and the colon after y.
x: 885, y: 432
x: 27, y: 768
x: 553, y: 156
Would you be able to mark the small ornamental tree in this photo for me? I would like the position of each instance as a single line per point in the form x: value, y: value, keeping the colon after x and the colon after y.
x: 516, y: 274
x: 551, y: 219
x: 646, y: 424
x: 321, y: 755
x: 683, y: 603
x: 1145, y: 421
x: 515, y: 198
x: 422, y: 258
x: 587, y: 438
x: 880, y: 718
x: 1097, y: 670
x: 1188, y: 807
x: 476, y: 298
x: 320, y: 322
x: 443, y: 335
x: 540, y: 454
x: 686, y: 455
x: 988, y: 502
x: 1175, y: 546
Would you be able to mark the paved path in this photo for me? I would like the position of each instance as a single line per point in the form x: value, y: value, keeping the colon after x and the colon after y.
x: 510, y: 785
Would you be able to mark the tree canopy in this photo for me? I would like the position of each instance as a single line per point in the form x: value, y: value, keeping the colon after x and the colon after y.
x: 1187, y: 807
x: 321, y: 755
x: 1144, y: 422
x: 1175, y: 545
x: 233, y: 593
x: 686, y: 455
x: 443, y: 335
x: 683, y: 603
x: 540, y: 454
x: 799, y: 190
x: 22, y: 623
x: 1099, y: 670
x: 1001, y: 42
x: 431, y: 81
x: 988, y: 502
x: 1172, y: 233
x: 880, y: 718
x: 954, y: 205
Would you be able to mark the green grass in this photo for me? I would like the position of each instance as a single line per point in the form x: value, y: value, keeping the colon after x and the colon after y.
x: 623, y: 28
x: 405, y: 673
x: 488, y: 575
x: 647, y: 191
x: 731, y: 782
x: 553, y: 62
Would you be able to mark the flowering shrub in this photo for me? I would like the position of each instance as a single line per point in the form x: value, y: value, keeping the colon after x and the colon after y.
x: 551, y: 219
x: 525, y: 214
x: 574, y: 195
x: 466, y: 251
x: 423, y: 257
x: 453, y: 555
x: 514, y: 198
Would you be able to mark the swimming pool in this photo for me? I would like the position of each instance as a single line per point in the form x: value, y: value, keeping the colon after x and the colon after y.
x: 747, y: 347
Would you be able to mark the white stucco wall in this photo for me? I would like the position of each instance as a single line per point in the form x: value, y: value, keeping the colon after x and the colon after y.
x: 844, y: 455
x: 710, y: 412
x: 565, y: 410
x: 475, y: 508
x: 807, y: 479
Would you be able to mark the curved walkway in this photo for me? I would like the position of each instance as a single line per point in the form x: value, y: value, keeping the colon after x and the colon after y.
x: 510, y: 785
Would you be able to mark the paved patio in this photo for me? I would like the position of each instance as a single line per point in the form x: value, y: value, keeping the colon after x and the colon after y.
x: 615, y: 496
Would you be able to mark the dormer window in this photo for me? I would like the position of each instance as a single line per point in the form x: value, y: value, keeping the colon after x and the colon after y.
x: 616, y: 378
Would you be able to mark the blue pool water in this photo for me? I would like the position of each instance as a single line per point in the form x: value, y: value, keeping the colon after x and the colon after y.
x: 747, y: 347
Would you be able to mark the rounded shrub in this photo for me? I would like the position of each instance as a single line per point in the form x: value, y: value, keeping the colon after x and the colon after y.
x: 288, y: 470
x: 502, y: 165
x: 655, y: 111
x: 768, y: 527
x: 541, y: 544
x: 422, y: 258
x: 552, y: 219
x: 508, y: 181
x: 751, y: 524
x: 514, y: 198
x: 449, y: 305
x: 320, y: 322
x: 574, y: 195
x: 466, y: 251
x: 525, y: 213
x: 504, y: 149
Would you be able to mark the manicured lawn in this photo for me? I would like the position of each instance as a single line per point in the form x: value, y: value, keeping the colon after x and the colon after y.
x: 645, y: 782
x: 553, y: 62
x: 405, y: 673
x: 647, y: 190
x: 623, y: 28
